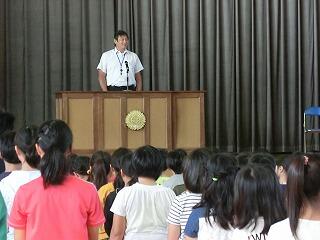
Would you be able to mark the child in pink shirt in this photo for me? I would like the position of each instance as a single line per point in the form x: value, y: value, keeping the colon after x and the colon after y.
x: 56, y: 205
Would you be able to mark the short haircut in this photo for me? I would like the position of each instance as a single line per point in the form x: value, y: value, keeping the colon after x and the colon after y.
x: 146, y: 162
x: 175, y: 159
x: 257, y: 194
x: 7, y: 150
x: 193, y: 169
x: 6, y: 121
x: 80, y: 165
x: 243, y: 158
x: 25, y: 139
x: 117, y: 155
x: 120, y: 33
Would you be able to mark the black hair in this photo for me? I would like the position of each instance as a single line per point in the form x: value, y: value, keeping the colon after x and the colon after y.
x: 243, y: 158
x: 99, y: 168
x: 257, y: 194
x: 217, y: 194
x: 25, y: 139
x: 163, y: 153
x: 303, y: 185
x: 146, y: 162
x: 193, y: 169
x: 116, y: 157
x: 80, y: 165
x: 55, y: 139
x: 7, y: 150
x: 286, y: 160
x: 6, y: 121
x: 264, y: 159
x: 175, y: 159
x: 127, y: 168
x: 120, y: 33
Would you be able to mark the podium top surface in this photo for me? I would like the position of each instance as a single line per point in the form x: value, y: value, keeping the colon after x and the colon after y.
x: 60, y: 93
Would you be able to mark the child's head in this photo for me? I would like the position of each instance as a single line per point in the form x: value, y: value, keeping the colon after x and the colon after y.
x: 217, y: 193
x: 80, y: 167
x: 193, y: 169
x: 175, y: 160
x: 7, y: 151
x: 303, y: 186
x: 146, y: 162
x: 264, y: 159
x: 25, y: 140
x: 257, y: 194
x: 99, y: 168
x: 54, y: 142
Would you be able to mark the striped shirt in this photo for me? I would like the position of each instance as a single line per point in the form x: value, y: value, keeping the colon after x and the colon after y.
x: 181, y: 208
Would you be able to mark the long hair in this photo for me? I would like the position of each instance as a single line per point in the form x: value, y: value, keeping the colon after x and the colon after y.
x: 257, y: 194
x: 54, y: 138
x: 303, y: 184
x: 217, y: 194
x: 25, y: 139
x: 99, y: 168
x: 193, y: 169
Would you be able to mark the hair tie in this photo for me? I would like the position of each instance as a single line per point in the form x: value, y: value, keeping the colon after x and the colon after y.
x: 215, y: 179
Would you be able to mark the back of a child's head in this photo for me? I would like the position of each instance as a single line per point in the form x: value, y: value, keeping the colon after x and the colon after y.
x: 175, y: 159
x: 127, y: 168
x: 99, y: 168
x: 193, y: 169
x: 25, y: 139
x: 80, y: 165
x: 257, y: 194
x: 217, y: 193
x: 147, y: 162
x: 117, y: 155
x: 55, y: 140
x: 303, y: 185
x: 6, y: 121
x: 7, y: 151
x: 243, y: 158
x: 264, y: 159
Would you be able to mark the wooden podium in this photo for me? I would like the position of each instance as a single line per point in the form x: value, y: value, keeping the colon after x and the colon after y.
x: 97, y: 119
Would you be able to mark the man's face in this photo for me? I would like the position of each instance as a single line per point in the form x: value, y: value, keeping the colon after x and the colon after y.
x: 121, y: 43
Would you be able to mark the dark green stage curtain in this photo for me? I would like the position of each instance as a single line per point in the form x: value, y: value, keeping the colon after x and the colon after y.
x: 258, y: 60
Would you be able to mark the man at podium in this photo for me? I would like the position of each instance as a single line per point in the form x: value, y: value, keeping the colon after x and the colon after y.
x: 119, y: 69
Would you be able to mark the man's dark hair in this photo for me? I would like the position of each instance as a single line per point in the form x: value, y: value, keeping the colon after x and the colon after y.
x: 120, y: 33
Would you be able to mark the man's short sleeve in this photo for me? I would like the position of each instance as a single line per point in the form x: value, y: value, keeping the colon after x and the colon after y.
x: 138, y: 65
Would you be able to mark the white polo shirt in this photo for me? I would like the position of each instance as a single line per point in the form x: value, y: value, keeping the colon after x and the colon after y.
x: 113, y: 64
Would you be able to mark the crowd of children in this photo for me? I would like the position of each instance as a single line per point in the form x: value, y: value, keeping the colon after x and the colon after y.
x: 48, y: 192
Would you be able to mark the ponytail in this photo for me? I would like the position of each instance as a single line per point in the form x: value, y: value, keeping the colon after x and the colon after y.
x: 55, y: 139
x: 53, y: 167
x: 295, y: 194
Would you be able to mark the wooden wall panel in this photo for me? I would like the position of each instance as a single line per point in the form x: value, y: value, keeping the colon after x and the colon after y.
x: 159, y: 122
x: 112, y: 123
x: 80, y: 120
x: 188, y: 128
